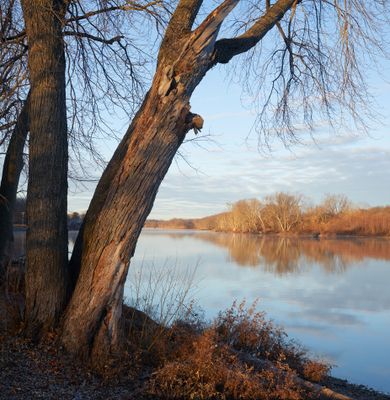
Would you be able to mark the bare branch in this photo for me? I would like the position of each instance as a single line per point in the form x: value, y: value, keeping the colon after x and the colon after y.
x: 14, y: 38
x: 206, y: 33
x: 226, y: 49
x: 93, y: 37
x: 179, y: 27
x: 127, y: 6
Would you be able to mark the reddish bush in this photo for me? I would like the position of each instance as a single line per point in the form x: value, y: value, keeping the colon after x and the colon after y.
x: 240, y: 356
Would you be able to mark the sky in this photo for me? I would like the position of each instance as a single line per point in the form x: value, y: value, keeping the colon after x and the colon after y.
x: 225, y: 164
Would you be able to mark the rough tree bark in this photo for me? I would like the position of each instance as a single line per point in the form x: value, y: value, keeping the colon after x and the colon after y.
x: 12, y: 168
x: 126, y: 192
x: 46, y: 275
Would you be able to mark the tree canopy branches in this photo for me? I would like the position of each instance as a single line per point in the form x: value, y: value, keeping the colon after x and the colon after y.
x: 226, y: 49
x: 312, y: 66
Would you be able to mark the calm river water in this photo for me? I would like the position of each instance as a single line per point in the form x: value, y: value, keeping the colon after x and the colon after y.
x: 332, y: 295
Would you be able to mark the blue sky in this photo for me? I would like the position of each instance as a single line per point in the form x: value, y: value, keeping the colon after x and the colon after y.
x: 227, y: 165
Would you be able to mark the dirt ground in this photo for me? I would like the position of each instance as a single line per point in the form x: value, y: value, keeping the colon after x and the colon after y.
x: 39, y: 372
x: 29, y: 371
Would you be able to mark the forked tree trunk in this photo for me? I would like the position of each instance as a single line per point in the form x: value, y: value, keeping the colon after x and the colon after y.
x: 126, y: 192
x: 122, y: 201
x: 46, y: 275
x: 12, y: 168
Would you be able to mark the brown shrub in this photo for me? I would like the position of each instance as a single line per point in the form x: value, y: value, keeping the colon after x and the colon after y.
x: 216, y: 363
x: 315, y: 371
x: 370, y: 222
x: 208, y: 369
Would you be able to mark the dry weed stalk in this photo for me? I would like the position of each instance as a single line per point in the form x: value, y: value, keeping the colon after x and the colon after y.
x: 216, y: 362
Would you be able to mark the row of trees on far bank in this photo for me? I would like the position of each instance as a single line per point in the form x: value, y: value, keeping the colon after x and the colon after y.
x: 291, y: 213
x: 281, y: 212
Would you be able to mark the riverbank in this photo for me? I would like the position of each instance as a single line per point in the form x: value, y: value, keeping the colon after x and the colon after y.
x: 282, y: 215
x: 42, y: 372
x: 298, y: 235
x: 166, y: 225
x: 222, y: 361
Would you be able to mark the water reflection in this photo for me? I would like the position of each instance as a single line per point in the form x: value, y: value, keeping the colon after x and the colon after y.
x: 331, y: 294
x: 284, y: 255
x: 278, y: 255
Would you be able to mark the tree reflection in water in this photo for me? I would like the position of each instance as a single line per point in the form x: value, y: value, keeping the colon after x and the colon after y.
x: 279, y: 255
x: 284, y: 255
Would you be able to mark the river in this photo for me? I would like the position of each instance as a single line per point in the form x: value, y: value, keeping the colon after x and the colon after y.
x: 332, y: 295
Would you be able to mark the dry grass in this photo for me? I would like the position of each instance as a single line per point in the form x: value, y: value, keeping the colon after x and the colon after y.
x: 159, y: 296
x: 240, y: 355
x: 370, y: 222
x: 215, y: 362
x: 207, y: 369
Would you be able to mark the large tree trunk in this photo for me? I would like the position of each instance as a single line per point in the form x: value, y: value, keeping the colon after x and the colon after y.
x: 126, y: 192
x: 12, y: 168
x: 122, y: 201
x: 46, y: 275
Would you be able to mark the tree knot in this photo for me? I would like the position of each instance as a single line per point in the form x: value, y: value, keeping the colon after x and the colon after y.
x: 195, y: 122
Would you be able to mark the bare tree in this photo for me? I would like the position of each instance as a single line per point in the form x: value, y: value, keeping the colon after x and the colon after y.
x: 331, y: 206
x: 335, y: 204
x: 47, y: 235
x: 13, y: 114
x: 285, y: 210
x: 12, y: 168
x: 13, y: 71
x: 245, y: 216
x: 313, y: 63
x: 97, y: 61
x: 82, y: 69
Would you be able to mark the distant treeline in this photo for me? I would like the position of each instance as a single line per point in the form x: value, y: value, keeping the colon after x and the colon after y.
x: 288, y: 213
x: 279, y: 213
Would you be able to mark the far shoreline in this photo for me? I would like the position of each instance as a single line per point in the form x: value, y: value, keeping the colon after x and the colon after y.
x: 297, y: 235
